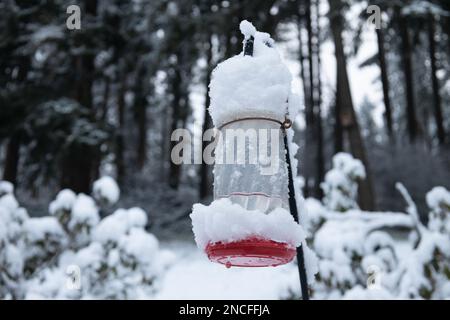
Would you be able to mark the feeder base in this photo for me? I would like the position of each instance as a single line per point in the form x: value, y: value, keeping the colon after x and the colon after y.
x: 251, y: 252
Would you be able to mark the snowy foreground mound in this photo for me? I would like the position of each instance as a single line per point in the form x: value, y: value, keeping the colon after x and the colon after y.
x: 251, y: 86
x: 223, y: 221
x: 73, y: 253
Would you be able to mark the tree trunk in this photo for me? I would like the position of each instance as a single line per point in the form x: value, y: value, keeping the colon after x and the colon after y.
x: 104, y: 107
x: 338, y: 130
x: 174, y: 169
x: 385, y: 82
x: 347, y: 115
x: 308, y: 79
x: 78, y: 167
x: 320, y: 159
x: 120, y: 145
x: 435, y: 82
x: 205, y: 187
x: 308, y: 108
x: 311, y: 134
x: 406, y: 52
x: 12, y: 159
x: 76, y: 173
x: 141, y: 112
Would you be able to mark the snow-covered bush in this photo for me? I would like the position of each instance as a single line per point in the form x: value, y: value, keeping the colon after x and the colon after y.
x: 12, y: 218
x: 78, y: 214
x: 6, y: 188
x: 73, y: 254
x: 123, y: 261
x: 106, y: 191
x: 341, y: 183
x: 426, y: 272
x: 351, y: 251
x: 438, y: 200
x: 358, y: 258
x: 44, y: 241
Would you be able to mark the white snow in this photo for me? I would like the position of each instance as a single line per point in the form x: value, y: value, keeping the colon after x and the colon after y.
x: 90, y: 256
x: 348, y: 231
x: 251, y: 86
x: 360, y: 293
x: 139, y: 244
x: 349, y: 165
x: 6, y: 187
x: 3, y: 231
x: 106, y: 189
x: 223, y: 221
x: 64, y: 201
x: 111, y: 228
x: 14, y: 260
x: 438, y: 199
x: 195, y: 277
x: 438, y: 196
x: 412, y: 270
x: 311, y: 263
x: 78, y: 214
x: 341, y: 182
x: 84, y: 211
x: 421, y: 7
x: 37, y: 229
x: 9, y: 202
x: 11, y: 217
x: 247, y: 29
x: 45, y: 33
x: 133, y: 217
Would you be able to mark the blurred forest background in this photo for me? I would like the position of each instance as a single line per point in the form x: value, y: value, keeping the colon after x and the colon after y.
x: 77, y: 104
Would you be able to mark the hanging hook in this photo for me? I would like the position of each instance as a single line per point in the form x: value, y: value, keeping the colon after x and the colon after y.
x: 287, y: 123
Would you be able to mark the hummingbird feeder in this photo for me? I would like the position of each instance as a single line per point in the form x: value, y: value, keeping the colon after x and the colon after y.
x: 253, y: 220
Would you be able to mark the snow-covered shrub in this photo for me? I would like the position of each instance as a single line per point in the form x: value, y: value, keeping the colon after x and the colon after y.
x: 12, y: 218
x: 438, y: 200
x: 123, y: 261
x: 44, y: 241
x: 426, y: 272
x: 341, y: 183
x: 379, y: 251
x: 6, y: 187
x: 106, y: 191
x: 351, y: 251
x: 72, y: 254
x: 316, y: 214
x: 84, y: 218
x: 358, y: 259
x: 78, y: 214
x: 61, y: 207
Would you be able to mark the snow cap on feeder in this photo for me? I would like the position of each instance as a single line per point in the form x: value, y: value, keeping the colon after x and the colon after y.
x: 256, y: 85
x: 249, y: 222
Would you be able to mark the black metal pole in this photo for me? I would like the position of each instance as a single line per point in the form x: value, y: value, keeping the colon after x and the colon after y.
x: 248, y: 46
x: 248, y: 51
x: 294, y: 212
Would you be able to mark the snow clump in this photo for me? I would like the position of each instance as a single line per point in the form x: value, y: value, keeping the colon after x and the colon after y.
x: 224, y: 221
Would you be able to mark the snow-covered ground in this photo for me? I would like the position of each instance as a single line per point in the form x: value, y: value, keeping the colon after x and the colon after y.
x: 72, y: 253
x: 193, y: 276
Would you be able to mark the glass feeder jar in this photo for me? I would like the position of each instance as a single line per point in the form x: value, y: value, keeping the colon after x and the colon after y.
x: 250, y: 170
